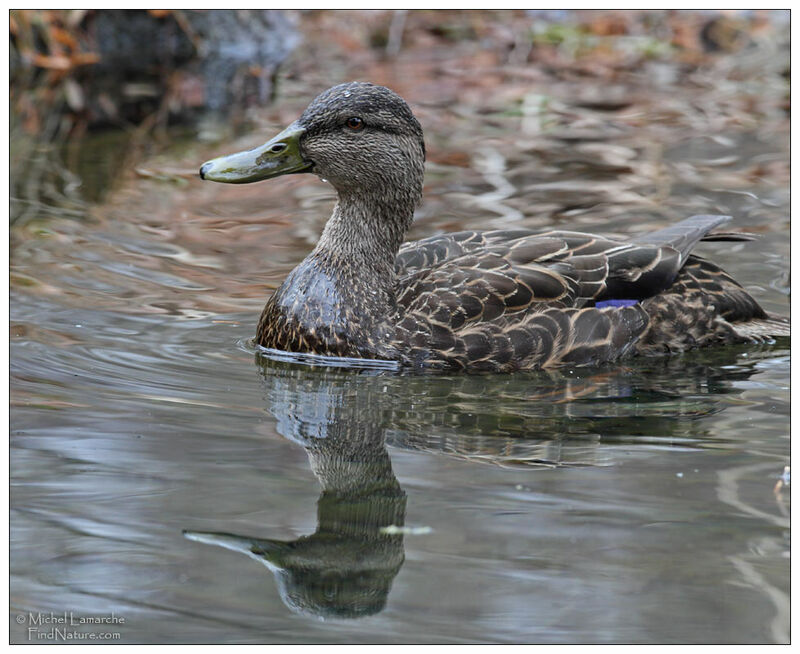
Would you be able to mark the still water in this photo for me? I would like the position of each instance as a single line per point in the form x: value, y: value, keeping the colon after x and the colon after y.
x: 165, y: 471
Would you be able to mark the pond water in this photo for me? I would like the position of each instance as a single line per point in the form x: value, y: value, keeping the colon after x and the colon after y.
x: 164, y: 471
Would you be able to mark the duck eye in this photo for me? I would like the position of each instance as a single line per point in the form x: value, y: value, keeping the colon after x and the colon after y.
x: 355, y: 123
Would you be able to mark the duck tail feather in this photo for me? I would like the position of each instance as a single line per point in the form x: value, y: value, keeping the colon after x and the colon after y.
x: 683, y: 236
x: 730, y: 236
x: 760, y: 329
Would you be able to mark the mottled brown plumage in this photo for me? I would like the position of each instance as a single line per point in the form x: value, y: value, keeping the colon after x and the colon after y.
x: 498, y: 300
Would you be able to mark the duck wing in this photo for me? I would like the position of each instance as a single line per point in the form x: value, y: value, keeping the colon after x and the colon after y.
x: 514, y: 269
x: 502, y: 280
x: 510, y: 297
x: 524, y: 303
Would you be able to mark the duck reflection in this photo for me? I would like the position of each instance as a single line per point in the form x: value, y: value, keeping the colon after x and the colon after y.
x: 344, y: 419
x: 345, y: 568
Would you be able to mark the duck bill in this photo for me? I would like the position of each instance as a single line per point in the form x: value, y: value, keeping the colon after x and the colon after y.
x: 270, y: 552
x: 279, y: 156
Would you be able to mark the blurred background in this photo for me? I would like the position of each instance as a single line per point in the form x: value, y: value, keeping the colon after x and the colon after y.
x: 641, y: 503
x: 133, y: 75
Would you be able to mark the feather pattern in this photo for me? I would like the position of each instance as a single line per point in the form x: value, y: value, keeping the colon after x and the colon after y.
x: 510, y: 299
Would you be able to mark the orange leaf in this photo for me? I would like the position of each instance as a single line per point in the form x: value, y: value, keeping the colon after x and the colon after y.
x: 64, y: 37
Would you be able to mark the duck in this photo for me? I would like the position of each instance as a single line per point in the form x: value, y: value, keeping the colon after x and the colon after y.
x: 498, y: 300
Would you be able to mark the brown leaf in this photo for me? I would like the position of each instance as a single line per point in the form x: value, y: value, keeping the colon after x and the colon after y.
x: 84, y: 58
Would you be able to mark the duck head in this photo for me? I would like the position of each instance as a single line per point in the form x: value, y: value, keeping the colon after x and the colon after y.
x: 360, y: 137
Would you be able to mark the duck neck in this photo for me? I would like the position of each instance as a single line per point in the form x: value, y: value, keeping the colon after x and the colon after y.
x: 365, y: 233
x: 341, y: 299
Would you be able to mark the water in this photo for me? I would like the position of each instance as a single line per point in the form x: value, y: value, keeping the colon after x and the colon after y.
x: 165, y: 471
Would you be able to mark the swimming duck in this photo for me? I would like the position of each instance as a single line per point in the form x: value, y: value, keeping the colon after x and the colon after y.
x: 497, y: 300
